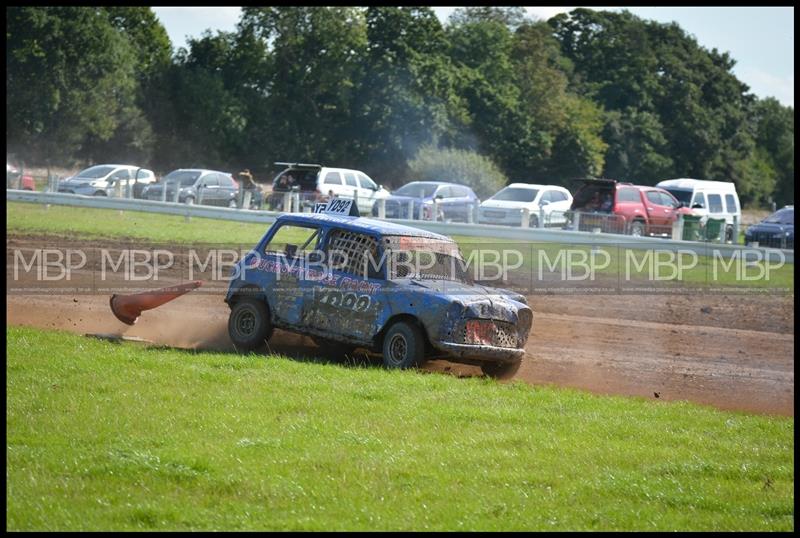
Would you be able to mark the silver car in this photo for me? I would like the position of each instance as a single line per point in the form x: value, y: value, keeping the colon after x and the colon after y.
x: 108, y: 180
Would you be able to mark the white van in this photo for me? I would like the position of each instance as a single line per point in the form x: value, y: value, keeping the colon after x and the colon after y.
x: 315, y: 181
x: 714, y: 199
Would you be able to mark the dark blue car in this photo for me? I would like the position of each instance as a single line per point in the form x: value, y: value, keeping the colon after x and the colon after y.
x: 776, y: 231
x: 454, y: 202
x: 352, y: 282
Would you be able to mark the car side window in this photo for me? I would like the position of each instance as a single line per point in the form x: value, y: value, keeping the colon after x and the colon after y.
x: 293, y: 241
x: 627, y: 195
x: 223, y: 180
x: 350, y: 178
x: 667, y: 200
x: 209, y: 180
x: 654, y: 197
x: 714, y: 203
x: 366, y: 183
x: 547, y: 196
x: 699, y: 198
x: 461, y: 192
x: 730, y: 204
x: 557, y: 196
x: 354, y: 253
x: 333, y: 178
x: 444, y: 191
x: 120, y: 174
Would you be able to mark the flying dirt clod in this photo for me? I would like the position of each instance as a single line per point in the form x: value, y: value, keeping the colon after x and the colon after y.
x: 128, y: 308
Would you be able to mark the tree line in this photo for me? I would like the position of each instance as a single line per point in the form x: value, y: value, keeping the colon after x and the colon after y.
x: 584, y: 94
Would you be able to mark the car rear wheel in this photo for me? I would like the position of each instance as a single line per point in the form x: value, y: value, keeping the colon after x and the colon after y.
x: 249, y: 325
x: 403, y: 346
x: 501, y: 370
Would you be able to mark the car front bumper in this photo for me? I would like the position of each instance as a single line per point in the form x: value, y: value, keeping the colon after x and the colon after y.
x: 476, y: 352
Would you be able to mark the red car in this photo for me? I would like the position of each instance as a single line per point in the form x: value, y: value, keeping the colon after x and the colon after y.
x: 13, y: 175
x: 616, y: 207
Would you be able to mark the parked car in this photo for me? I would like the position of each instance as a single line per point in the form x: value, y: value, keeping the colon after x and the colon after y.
x: 776, y: 231
x: 716, y: 199
x: 196, y: 185
x: 17, y: 178
x: 102, y: 180
x: 454, y: 201
x: 408, y: 313
x: 315, y: 183
x: 626, y: 208
x: 507, y: 205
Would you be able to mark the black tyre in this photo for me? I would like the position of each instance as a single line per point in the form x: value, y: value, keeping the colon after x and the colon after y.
x: 403, y: 346
x: 728, y: 234
x: 501, y: 370
x: 249, y: 325
x: 637, y: 228
x: 100, y: 193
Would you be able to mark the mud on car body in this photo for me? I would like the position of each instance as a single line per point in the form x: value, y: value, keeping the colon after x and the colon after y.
x: 311, y: 274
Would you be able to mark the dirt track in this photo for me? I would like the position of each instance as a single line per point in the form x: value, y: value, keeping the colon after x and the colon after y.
x: 733, y: 352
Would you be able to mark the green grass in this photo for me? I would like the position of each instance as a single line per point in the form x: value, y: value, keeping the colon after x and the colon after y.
x: 64, y: 221
x: 105, y: 436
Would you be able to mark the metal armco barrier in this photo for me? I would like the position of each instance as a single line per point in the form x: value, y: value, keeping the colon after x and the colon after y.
x: 446, y: 228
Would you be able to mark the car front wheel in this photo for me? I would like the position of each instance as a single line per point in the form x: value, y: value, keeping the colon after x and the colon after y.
x: 500, y: 370
x: 637, y: 228
x: 403, y: 346
x: 249, y: 325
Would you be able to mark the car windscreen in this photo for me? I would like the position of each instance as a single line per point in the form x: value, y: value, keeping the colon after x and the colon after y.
x: 95, y: 172
x: 516, y: 194
x: 783, y: 216
x: 417, y: 190
x: 682, y: 195
x: 592, y: 195
x: 185, y: 178
x: 424, y: 258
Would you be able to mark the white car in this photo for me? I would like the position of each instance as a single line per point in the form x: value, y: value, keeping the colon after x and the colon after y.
x: 507, y: 205
x: 315, y: 181
x: 103, y: 179
x: 715, y: 199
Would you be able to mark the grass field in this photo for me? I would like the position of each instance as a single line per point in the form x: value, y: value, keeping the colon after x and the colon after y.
x: 112, y: 224
x: 117, y: 436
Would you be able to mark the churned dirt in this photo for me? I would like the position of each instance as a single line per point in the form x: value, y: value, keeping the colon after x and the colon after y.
x: 729, y: 351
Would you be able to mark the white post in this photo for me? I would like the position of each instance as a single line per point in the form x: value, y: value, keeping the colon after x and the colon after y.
x: 411, y: 209
x: 526, y: 217
x: 577, y: 221
x: 736, y: 230
x: 163, y: 191
x: 246, y: 201
x: 677, y: 228
x: 177, y: 192
x: 421, y: 210
x: 355, y: 200
x: 287, y: 202
x: 435, y: 210
x: 382, y: 208
x: 471, y: 213
x: 296, y: 203
x: 200, y: 195
x: 541, y: 217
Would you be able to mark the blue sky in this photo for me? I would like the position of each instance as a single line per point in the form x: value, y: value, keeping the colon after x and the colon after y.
x: 760, y: 39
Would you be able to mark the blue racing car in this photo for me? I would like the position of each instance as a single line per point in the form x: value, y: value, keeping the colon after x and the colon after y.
x: 352, y: 282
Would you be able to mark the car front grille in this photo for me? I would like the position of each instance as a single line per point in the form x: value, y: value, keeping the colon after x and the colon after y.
x: 500, y: 333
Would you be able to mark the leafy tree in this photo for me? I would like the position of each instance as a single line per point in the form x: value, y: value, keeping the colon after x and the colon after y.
x: 407, y: 98
x: 460, y: 166
x: 774, y: 138
x: 69, y: 76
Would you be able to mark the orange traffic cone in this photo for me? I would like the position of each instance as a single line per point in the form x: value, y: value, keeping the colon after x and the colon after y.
x: 128, y: 308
